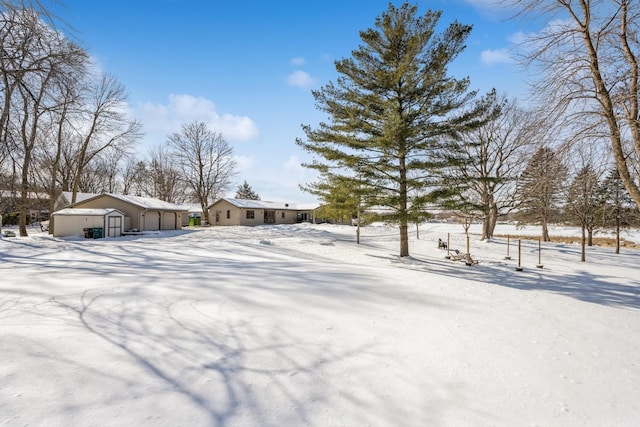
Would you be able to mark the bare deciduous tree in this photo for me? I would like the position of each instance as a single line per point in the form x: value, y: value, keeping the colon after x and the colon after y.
x: 494, y: 156
x: 588, y: 55
x: 33, y: 58
x: 56, y: 134
x: 164, y: 180
x: 133, y: 176
x: 205, y: 160
x: 107, y: 124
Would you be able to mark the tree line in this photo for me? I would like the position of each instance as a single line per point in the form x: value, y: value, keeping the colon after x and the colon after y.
x: 405, y: 137
x: 64, y: 127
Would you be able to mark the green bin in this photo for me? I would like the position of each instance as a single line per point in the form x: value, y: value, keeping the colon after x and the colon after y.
x: 198, y: 220
x: 192, y: 221
x: 97, y: 233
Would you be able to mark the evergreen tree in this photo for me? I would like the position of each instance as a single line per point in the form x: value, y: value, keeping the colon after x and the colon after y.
x: 340, y: 201
x: 582, y: 204
x: 616, y: 207
x: 538, y: 189
x: 390, y: 109
x: 245, y: 192
x: 344, y: 198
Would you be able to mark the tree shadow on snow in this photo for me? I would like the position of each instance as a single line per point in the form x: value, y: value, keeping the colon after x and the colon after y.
x: 200, y: 326
x: 587, y: 282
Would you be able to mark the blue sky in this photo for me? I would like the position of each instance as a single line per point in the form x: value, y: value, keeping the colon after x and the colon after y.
x: 247, y: 67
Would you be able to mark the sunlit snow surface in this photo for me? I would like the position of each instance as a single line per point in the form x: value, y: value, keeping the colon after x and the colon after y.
x: 299, y: 326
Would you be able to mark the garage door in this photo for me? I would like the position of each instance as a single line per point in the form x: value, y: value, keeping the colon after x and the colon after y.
x: 169, y: 221
x: 151, y: 221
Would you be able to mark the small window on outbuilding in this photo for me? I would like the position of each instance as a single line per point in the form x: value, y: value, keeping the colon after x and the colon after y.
x: 251, y: 214
x: 228, y: 214
x: 282, y: 215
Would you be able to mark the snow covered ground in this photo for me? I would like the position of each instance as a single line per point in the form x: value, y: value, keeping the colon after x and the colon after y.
x: 297, y: 325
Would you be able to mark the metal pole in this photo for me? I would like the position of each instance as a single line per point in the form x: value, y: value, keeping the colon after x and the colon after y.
x: 448, y: 246
x: 507, y: 257
x: 539, y: 265
x: 519, y: 268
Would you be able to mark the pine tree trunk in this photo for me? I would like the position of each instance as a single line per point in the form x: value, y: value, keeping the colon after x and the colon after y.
x: 358, y: 226
x: 404, y: 239
x: 583, y: 256
x: 618, y: 235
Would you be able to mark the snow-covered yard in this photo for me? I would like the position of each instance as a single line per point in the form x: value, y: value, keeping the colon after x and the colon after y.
x: 298, y: 325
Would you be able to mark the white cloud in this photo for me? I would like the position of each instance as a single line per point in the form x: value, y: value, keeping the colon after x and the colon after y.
x: 494, y: 9
x: 183, y: 108
x: 518, y: 37
x: 282, y: 180
x: 298, y: 61
x: 274, y: 179
x: 301, y: 79
x: 298, y: 173
x: 527, y: 42
x: 497, y: 56
x: 293, y: 163
x: 246, y: 163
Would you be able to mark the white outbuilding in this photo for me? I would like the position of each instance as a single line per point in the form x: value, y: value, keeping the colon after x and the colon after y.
x: 72, y: 221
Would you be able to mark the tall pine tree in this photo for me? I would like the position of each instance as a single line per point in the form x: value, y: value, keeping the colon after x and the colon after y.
x: 538, y: 189
x: 390, y: 108
x: 616, y: 207
x: 582, y: 204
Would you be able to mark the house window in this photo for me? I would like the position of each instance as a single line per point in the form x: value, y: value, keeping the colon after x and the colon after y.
x: 228, y: 214
x: 251, y: 214
x: 282, y: 215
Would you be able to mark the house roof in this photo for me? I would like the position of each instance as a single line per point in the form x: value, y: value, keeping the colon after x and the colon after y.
x: 143, y: 202
x: 263, y: 204
x: 84, y: 212
x: 80, y: 197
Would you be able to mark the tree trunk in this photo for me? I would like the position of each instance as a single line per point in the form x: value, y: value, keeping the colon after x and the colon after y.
x: 583, y: 254
x: 53, y: 193
x: 545, y: 232
x: 205, y: 212
x: 618, y: 234
x: 404, y: 228
x: 25, y: 200
x: 24, y: 209
x: 493, y: 219
x: 404, y: 238
x: 358, y: 225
